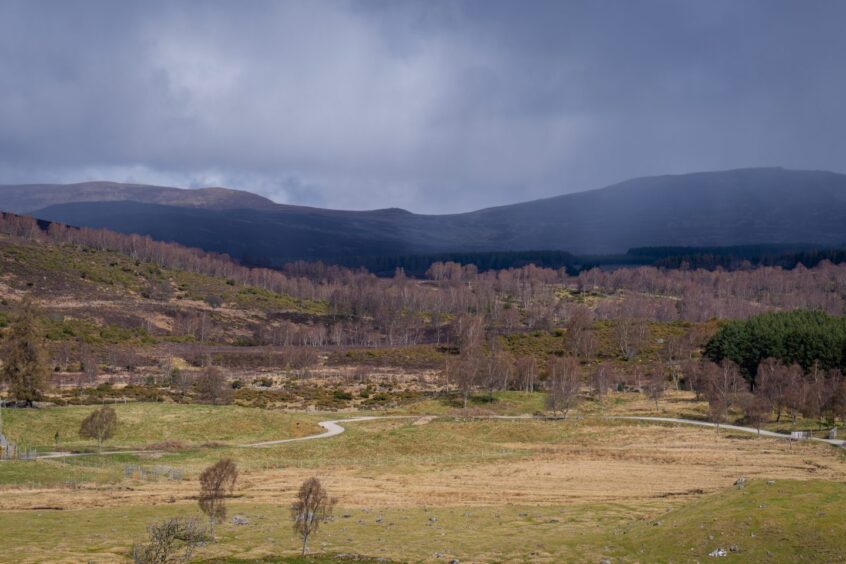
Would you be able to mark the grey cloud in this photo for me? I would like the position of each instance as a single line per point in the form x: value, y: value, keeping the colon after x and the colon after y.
x: 433, y: 106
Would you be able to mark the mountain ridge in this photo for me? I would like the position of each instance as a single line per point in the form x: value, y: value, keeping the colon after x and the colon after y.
x: 736, y: 207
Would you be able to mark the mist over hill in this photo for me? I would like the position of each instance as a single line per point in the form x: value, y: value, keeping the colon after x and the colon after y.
x: 737, y: 207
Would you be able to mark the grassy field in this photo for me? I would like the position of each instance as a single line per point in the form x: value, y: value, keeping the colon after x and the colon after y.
x: 427, y: 489
x: 788, y: 521
x: 141, y: 425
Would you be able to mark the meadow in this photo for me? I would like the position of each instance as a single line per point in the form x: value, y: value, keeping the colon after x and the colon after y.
x: 451, y: 485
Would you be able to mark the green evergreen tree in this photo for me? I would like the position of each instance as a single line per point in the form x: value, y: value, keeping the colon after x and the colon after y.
x: 25, y: 368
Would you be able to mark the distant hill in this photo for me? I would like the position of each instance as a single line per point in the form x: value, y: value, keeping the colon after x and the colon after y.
x: 762, y: 206
x: 26, y: 198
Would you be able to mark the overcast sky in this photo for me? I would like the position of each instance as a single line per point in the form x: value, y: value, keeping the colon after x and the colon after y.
x: 432, y: 106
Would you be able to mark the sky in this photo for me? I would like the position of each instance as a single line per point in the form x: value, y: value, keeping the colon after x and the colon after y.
x: 434, y: 106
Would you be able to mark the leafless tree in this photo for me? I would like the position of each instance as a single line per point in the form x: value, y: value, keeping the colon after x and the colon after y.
x: 564, y: 384
x: 756, y: 408
x: 311, y: 508
x: 630, y: 335
x: 464, y: 372
x: 100, y: 425
x: 676, y: 350
x: 511, y: 319
x: 771, y: 381
x: 526, y: 368
x: 171, y: 541
x: 88, y: 363
x: 655, y: 385
x: 796, y: 391
x: 723, y: 383
x: 470, y: 332
x: 215, y: 482
x: 580, y: 337
x: 602, y: 380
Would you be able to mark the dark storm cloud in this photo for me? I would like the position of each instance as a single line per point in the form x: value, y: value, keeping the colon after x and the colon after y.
x: 434, y: 106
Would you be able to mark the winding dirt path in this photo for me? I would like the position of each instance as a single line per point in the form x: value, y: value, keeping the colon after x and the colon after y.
x: 334, y: 427
x: 762, y: 432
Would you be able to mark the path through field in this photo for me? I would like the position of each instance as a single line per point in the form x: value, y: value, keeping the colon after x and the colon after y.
x: 334, y: 427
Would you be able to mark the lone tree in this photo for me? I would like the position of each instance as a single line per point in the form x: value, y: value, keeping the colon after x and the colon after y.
x: 723, y: 386
x: 25, y: 368
x: 655, y: 386
x: 173, y: 540
x: 100, y: 424
x: 312, y: 507
x: 564, y: 385
x: 756, y: 409
x: 215, y: 482
x: 465, y: 373
x: 211, y: 387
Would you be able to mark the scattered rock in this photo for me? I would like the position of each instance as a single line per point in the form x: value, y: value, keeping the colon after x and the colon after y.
x: 733, y: 548
x: 718, y: 553
x: 605, y: 561
x: 240, y: 520
x: 433, y: 519
x: 740, y: 482
x: 770, y: 482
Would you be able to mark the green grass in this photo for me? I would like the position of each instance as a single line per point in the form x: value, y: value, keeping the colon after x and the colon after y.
x: 466, y: 533
x: 67, y: 269
x: 142, y: 424
x: 787, y: 521
x: 543, y: 344
x: 394, y: 445
x: 784, y: 522
x: 503, y: 403
x: 790, y: 519
x: 414, y: 356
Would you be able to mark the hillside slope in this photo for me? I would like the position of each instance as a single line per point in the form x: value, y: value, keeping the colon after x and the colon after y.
x: 106, y: 297
x: 739, y: 207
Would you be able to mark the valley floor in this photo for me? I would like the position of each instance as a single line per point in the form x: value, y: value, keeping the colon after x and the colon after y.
x: 423, y: 488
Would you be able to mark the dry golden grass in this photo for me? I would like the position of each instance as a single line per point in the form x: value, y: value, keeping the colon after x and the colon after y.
x: 594, y: 461
x: 502, y: 490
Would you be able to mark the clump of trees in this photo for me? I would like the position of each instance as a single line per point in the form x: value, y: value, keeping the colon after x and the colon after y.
x: 211, y: 387
x: 312, y: 507
x: 25, y: 368
x: 100, y: 425
x: 216, y: 482
x: 806, y: 338
x: 779, y: 389
x: 367, y: 310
